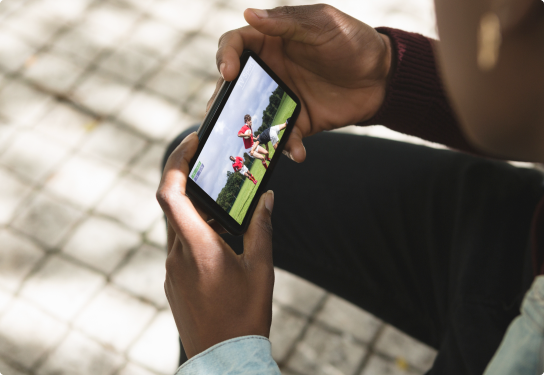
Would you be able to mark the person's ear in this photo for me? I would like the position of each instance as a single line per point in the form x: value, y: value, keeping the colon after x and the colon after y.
x: 512, y: 13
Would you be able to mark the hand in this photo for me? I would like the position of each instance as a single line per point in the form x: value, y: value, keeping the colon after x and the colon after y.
x: 337, y: 65
x: 214, y: 294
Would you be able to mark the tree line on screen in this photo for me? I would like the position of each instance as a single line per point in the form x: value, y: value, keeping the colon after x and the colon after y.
x: 235, y: 180
x: 270, y: 112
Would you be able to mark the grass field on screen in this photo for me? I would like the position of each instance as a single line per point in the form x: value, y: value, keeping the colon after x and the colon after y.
x: 248, y: 190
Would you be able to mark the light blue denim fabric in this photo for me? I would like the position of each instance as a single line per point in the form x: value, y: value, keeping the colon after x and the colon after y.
x: 246, y: 355
x: 521, y: 350
x: 520, y: 353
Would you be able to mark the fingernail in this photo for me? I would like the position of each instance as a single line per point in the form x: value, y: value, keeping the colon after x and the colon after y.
x: 289, y: 155
x: 260, y: 13
x: 221, y: 68
x: 188, y: 138
x: 269, y: 201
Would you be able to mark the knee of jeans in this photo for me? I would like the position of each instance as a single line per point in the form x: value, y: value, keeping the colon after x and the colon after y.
x: 172, y: 146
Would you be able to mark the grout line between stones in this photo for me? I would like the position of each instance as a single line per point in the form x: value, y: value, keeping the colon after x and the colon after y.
x: 370, y: 350
x: 309, y: 320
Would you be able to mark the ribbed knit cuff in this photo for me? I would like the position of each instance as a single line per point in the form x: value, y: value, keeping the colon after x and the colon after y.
x: 412, y: 83
x: 415, y: 102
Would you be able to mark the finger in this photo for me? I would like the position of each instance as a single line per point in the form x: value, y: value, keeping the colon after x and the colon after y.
x: 231, y: 46
x: 218, y: 228
x: 178, y: 208
x: 176, y: 169
x: 258, y: 238
x: 309, y: 24
x: 294, y: 148
x: 217, y: 88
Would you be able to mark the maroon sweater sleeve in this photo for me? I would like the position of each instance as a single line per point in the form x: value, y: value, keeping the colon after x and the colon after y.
x: 415, y: 102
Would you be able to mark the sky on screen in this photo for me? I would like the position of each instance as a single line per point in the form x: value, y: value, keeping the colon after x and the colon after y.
x: 249, y: 96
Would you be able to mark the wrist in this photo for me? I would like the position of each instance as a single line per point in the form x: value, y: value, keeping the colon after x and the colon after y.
x: 413, y: 84
x: 381, y: 73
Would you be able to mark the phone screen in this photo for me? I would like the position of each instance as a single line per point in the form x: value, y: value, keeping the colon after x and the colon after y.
x: 237, y: 153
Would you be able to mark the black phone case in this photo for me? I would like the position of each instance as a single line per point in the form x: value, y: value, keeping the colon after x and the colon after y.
x: 199, y: 196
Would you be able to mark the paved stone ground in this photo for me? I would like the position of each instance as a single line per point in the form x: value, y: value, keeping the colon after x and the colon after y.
x: 90, y: 93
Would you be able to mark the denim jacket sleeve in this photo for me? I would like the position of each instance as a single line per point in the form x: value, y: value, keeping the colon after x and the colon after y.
x: 520, y: 353
x: 246, y: 355
x: 521, y: 350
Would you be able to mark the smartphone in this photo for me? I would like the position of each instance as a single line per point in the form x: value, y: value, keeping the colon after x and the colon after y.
x: 240, y: 142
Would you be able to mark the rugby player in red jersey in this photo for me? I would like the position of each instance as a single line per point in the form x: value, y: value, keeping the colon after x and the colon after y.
x: 246, y: 133
x: 238, y: 166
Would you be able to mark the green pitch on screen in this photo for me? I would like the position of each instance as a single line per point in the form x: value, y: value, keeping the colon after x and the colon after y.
x: 247, y: 192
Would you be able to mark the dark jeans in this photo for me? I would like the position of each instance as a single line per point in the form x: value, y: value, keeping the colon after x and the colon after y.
x: 434, y: 242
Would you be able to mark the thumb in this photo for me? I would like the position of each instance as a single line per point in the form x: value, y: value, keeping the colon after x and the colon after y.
x: 258, y: 238
x: 309, y: 24
x: 294, y: 149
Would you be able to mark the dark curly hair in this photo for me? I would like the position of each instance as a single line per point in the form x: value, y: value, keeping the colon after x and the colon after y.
x: 247, y: 118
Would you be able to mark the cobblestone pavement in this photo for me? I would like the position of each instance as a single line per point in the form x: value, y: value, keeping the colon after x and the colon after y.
x: 91, y: 91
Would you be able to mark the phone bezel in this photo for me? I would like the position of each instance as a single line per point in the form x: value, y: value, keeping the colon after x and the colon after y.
x: 195, y: 192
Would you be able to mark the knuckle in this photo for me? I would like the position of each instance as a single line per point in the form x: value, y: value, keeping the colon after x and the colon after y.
x: 304, y: 11
x: 330, y: 13
x: 324, y: 7
x: 221, y: 44
x: 164, y: 197
x: 288, y: 9
x: 312, y: 19
x: 224, y: 38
